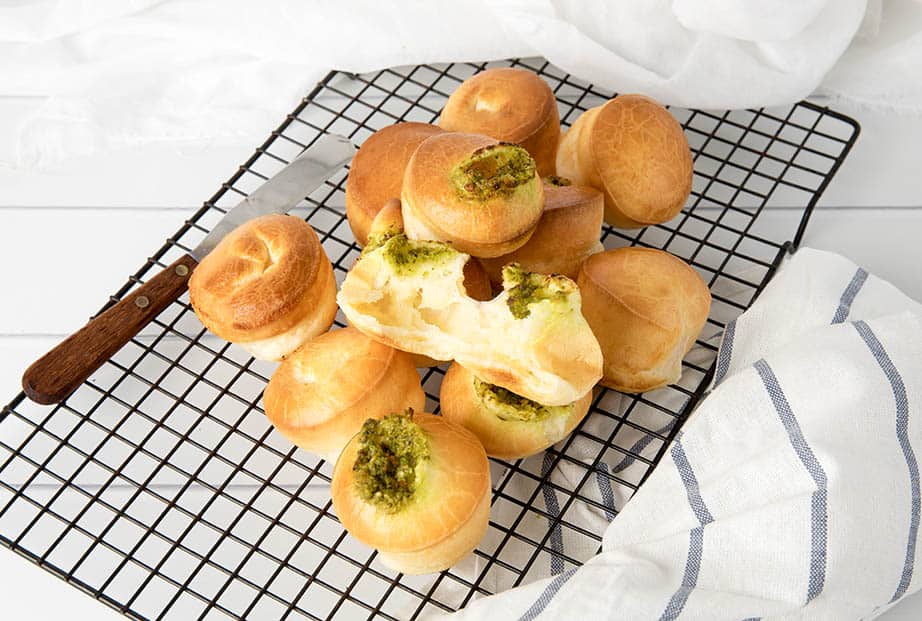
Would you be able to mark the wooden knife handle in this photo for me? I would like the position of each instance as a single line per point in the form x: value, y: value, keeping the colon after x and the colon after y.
x: 59, y: 372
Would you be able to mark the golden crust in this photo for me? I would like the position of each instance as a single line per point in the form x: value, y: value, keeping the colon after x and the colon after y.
x: 262, y: 279
x: 573, y: 157
x: 432, y: 208
x: 388, y: 219
x: 505, y: 439
x: 376, y: 172
x: 321, y: 394
x: 567, y: 233
x: 448, y: 502
x: 646, y: 308
x: 511, y: 105
x: 636, y: 153
x: 319, y: 321
x: 444, y: 554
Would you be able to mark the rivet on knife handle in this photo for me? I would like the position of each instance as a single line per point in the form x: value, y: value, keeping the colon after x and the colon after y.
x: 59, y: 372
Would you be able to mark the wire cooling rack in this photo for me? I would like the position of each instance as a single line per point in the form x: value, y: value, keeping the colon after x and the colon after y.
x: 160, y: 489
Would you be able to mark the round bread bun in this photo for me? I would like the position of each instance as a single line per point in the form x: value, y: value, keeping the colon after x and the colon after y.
x: 636, y: 153
x: 511, y: 105
x: 446, y: 514
x: 503, y: 432
x: 267, y: 286
x: 376, y: 172
x: 646, y: 308
x: 322, y: 393
x: 482, y: 196
x: 567, y: 233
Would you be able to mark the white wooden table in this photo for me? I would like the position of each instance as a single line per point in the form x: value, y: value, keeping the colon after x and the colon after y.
x: 71, y: 236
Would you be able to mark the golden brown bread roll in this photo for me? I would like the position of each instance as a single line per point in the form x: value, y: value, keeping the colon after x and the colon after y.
x: 508, y: 425
x: 531, y: 338
x: 482, y: 196
x: 320, y: 396
x: 567, y: 233
x: 511, y: 105
x: 267, y: 286
x: 390, y: 220
x: 646, y: 308
x: 476, y: 282
x: 376, y: 172
x: 636, y: 153
x: 417, y: 488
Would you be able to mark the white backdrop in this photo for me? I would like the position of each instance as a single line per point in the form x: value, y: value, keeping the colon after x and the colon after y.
x: 201, y: 73
x: 117, y: 119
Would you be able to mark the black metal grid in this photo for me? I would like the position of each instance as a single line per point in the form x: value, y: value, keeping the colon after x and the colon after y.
x: 160, y: 489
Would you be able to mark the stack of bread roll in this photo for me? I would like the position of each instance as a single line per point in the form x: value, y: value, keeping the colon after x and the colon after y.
x: 482, y: 247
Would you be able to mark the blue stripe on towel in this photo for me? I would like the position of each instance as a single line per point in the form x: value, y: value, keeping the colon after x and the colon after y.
x: 553, y: 509
x: 602, y: 470
x: 546, y: 596
x: 902, y: 434
x: 818, y: 501
x: 848, y: 296
x: 695, y: 536
x: 608, y: 498
x: 691, y: 484
x: 640, y: 445
x: 725, y: 353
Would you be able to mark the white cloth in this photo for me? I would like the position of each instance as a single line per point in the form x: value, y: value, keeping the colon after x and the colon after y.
x: 793, y: 490
x: 116, y: 74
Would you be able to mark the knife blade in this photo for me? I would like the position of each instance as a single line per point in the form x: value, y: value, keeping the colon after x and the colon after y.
x: 59, y: 372
x: 283, y: 191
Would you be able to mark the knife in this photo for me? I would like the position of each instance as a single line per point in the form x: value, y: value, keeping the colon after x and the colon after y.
x: 59, y: 372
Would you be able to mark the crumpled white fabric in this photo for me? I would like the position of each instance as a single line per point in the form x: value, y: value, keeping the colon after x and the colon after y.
x: 793, y: 490
x: 693, y: 53
x: 115, y: 74
x: 882, y: 68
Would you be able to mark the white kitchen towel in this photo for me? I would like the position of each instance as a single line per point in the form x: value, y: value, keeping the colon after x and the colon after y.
x: 112, y: 74
x: 793, y: 491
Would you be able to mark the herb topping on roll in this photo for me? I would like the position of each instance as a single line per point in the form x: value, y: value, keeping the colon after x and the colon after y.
x: 507, y: 405
x: 390, y: 451
x: 493, y: 170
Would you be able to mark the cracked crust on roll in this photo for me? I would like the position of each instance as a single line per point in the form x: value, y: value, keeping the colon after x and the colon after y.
x: 376, y: 172
x: 445, y: 518
x: 635, y: 152
x: 322, y: 393
x: 436, y: 206
x: 264, y: 279
x: 646, y: 308
x: 511, y: 105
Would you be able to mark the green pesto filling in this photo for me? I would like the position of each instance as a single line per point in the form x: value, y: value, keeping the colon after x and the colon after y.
x: 509, y: 406
x: 558, y: 181
x: 385, y: 469
x: 526, y: 288
x: 491, y: 171
x: 408, y: 257
x: 376, y: 240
